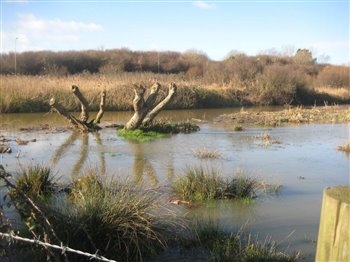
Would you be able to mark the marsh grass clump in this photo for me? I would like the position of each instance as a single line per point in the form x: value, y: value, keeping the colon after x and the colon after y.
x: 206, y: 184
x: 238, y: 128
x: 199, y: 184
x: 122, y: 221
x: 205, y: 153
x: 37, y: 182
x: 139, y: 135
x: 119, y: 220
x: 239, y: 246
x: 241, y: 187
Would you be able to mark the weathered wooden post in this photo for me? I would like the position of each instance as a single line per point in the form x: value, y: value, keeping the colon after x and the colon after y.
x: 333, y: 242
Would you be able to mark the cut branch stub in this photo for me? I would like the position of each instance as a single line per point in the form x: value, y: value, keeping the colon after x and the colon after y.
x: 151, y: 115
x: 102, y: 108
x: 84, y: 116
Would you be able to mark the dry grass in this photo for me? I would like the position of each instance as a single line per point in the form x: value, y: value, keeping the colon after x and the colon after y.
x: 296, y: 115
x: 207, y: 153
x: 32, y: 93
x: 342, y: 92
x: 344, y: 148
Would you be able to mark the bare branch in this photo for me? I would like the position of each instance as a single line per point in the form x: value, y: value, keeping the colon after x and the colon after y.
x: 151, y: 115
x: 102, y: 108
x: 84, y: 116
x: 62, y: 111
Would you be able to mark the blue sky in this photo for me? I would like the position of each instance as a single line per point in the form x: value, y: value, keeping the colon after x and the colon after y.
x: 213, y: 27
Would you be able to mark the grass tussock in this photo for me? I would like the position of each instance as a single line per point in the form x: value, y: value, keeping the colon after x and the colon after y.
x: 239, y: 247
x: 205, y: 153
x: 119, y: 220
x: 36, y: 181
x: 122, y: 221
x: 199, y: 183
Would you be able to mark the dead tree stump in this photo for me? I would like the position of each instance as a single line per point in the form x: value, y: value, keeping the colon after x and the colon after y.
x: 81, y: 124
x: 146, y: 111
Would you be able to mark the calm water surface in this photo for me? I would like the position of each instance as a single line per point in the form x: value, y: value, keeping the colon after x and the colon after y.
x: 292, y: 216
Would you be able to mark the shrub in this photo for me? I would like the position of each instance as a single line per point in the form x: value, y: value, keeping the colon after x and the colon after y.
x: 334, y: 76
x: 278, y: 85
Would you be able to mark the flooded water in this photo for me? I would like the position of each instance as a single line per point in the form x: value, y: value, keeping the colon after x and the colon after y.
x: 305, y: 162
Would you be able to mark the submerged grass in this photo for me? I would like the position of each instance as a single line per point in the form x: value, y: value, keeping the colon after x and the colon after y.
x: 199, y: 183
x: 205, y: 153
x: 239, y: 247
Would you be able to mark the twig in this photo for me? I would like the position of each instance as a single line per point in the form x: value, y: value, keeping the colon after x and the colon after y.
x: 64, y: 249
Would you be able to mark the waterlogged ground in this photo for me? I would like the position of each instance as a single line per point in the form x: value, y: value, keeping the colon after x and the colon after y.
x: 304, y: 162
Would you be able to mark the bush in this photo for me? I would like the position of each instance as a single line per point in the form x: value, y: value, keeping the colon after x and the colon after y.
x: 334, y: 76
x: 278, y: 85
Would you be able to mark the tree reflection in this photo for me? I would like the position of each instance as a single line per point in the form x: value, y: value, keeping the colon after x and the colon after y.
x: 142, y: 166
x: 84, y: 151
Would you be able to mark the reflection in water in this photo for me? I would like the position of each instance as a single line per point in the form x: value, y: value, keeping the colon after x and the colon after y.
x: 84, y: 149
x: 170, y: 167
x: 101, y: 153
x: 63, y: 148
x: 143, y: 165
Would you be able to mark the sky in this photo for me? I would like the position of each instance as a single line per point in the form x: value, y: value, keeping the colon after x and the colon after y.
x: 215, y: 28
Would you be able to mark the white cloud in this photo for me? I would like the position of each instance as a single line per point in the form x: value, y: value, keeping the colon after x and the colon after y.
x: 203, y: 5
x: 32, y: 23
x: 331, y: 45
x: 35, y: 33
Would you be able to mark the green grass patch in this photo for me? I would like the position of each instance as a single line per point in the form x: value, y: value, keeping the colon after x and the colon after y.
x: 199, y: 183
x: 139, y: 135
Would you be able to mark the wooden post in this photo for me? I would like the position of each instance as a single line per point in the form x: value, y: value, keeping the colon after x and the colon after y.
x: 333, y: 242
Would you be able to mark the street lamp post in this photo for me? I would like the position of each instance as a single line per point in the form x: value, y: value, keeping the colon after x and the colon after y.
x: 16, y: 55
